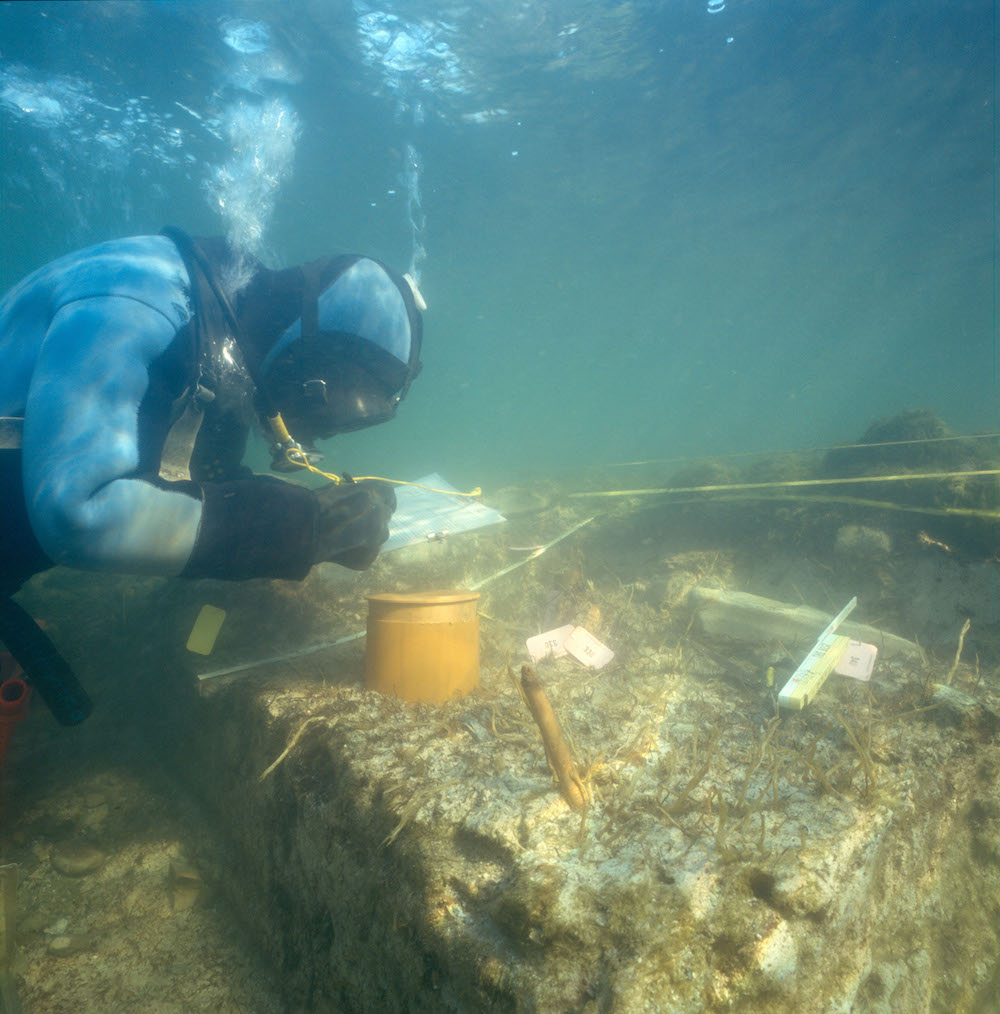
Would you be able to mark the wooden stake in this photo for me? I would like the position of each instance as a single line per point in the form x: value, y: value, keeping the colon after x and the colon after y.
x: 958, y: 652
x: 556, y: 750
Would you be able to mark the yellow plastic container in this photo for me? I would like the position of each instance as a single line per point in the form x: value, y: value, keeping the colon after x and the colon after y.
x: 423, y: 646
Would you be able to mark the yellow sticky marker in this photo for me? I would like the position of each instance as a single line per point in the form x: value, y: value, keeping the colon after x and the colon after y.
x: 205, y: 630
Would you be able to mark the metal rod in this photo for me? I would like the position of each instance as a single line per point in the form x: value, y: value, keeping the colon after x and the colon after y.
x: 205, y: 677
x: 288, y: 655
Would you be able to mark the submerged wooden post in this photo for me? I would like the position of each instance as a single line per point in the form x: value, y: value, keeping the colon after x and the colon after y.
x: 556, y: 750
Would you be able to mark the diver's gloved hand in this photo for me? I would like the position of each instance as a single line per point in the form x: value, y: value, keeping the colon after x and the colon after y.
x: 353, y: 522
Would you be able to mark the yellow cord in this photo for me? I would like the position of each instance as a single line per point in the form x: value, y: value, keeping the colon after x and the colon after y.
x: 852, y: 501
x: 792, y: 483
x: 298, y: 459
x: 800, y: 450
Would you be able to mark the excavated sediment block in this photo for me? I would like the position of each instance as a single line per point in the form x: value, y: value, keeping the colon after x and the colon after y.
x: 412, y: 858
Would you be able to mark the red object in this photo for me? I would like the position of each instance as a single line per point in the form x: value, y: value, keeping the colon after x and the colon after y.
x: 14, y: 697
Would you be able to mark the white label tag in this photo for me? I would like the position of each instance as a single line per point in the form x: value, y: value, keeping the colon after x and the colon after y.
x: 585, y: 648
x: 551, y: 644
x: 858, y: 661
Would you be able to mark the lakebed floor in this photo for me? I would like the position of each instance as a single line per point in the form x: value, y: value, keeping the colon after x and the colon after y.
x: 408, y: 857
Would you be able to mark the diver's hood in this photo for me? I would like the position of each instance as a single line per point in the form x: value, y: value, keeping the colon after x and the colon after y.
x: 350, y: 358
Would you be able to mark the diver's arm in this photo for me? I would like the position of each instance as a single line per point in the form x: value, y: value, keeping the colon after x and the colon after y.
x: 81, y: 444
x: 259, y: 527
x: 269, y: 528
x: 88, y: 507
x: 91, y: 510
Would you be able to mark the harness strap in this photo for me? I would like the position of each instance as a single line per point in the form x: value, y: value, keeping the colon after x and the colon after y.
x: 46, y: 670
x: 178, y: 447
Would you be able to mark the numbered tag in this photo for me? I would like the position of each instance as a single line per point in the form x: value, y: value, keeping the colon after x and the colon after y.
x: 585, y: 648
x: 858, y: 661
x: 551, y: 644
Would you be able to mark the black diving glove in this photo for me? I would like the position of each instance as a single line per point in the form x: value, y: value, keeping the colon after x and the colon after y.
x: 353, y: 522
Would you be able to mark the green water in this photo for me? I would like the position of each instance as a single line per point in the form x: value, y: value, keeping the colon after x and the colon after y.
x: 651, y: 230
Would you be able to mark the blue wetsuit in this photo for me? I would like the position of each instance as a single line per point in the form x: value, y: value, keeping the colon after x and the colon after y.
x: 97, y: 352
x: 77, y: 339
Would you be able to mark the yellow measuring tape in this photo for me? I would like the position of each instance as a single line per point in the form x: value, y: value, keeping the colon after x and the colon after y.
x: 784, y: 484
x: 857, y: 501
x: 803, y: 450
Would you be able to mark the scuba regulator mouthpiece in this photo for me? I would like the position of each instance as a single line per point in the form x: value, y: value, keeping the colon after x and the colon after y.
x: 287, y: 454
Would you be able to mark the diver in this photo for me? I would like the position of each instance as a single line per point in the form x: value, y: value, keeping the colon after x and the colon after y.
x: 131, y: 374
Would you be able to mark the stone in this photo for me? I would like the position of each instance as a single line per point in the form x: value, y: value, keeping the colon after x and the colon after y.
x: 68, y: 944
x: 184, y: 885
x: 740, y: 616
x: 963, y: 711
x: 862, y: 543
x: 74, y: 859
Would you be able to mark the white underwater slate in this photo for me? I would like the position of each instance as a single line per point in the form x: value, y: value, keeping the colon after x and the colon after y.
x: 422, y: 514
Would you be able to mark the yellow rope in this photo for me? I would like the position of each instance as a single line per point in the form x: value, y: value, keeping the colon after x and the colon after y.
x: 785, y: 484
x: 801, y: 450
x: 852, y: 501
x: 298, y: 459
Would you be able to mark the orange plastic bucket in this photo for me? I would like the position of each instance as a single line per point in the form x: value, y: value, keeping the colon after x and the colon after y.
x: 423, y: 646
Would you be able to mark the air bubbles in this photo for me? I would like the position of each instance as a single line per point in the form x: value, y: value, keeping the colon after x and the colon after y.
x: 414, y: 58
x: 412, y: 168
x: 716, y: 6
x: 262, y: 138
x: 45, y: 103
x: 43, y: 108
x: 246, y: 36
x: 260, y: 129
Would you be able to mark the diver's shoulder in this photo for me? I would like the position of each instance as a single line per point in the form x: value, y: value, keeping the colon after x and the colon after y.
x: 122, y: 258
x: 145, y: 268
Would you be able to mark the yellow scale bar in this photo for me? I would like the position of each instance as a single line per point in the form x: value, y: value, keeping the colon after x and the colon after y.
x: 805, y: 684
x: 806, y: 681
